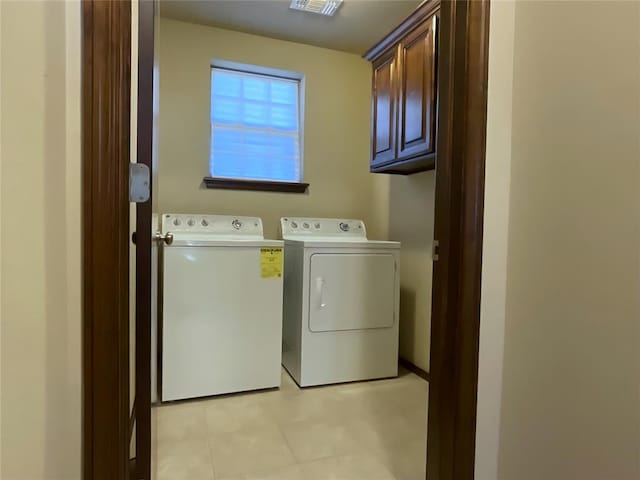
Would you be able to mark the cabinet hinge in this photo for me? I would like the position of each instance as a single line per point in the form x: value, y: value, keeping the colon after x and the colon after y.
x: 436, y: 250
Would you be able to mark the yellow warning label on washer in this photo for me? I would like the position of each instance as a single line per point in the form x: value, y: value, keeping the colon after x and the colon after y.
x: 271, y: 262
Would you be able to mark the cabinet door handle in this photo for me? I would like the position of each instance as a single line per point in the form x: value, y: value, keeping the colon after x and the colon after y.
x: 320, y: 290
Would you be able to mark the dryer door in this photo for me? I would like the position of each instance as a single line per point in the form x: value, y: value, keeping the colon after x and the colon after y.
x: 351, y: 291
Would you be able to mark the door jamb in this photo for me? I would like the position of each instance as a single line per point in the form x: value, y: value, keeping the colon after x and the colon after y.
x: 106, y: 42
x: 143, y: 232
x: 459, y: 216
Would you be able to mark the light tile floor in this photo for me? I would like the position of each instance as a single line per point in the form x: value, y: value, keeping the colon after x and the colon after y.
x: 358, y: 431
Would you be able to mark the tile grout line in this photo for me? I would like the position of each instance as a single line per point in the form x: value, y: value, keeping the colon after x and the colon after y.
x: 286, y: 442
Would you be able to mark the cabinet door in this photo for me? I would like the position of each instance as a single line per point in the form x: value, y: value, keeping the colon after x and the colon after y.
x: 384, y: 109
x: 417, y: 105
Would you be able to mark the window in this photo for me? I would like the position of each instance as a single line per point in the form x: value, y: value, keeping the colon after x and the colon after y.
x: 256, y: 126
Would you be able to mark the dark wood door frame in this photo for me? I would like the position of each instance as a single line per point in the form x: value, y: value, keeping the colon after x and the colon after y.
x: 455, y: 321
x: 106, y: 74
x: 142, y: 465
x: 462, y: 97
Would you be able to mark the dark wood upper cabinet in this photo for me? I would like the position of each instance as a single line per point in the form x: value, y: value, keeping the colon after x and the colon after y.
x: 417, y: 92
x: 404, y: 99
x: 384, y: 110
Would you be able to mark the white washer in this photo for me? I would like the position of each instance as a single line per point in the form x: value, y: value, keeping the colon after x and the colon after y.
x: 222, y: 306
x: 341, y: 299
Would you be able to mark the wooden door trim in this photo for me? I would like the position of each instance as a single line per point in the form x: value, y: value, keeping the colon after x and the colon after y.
x: 462, y: 80
x: 146, y: 9
x: 455, y: 323
x: 106, y: 73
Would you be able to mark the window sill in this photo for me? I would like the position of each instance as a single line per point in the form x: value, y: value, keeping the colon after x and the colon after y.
x: 255, y: 185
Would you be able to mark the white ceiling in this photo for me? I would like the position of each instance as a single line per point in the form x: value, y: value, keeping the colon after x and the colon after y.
x: 356, y: 27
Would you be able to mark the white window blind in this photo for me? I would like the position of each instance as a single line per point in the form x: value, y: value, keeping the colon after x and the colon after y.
x: 255, y: 126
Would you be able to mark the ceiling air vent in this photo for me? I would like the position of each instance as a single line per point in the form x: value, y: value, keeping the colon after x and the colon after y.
x: 323, y: 7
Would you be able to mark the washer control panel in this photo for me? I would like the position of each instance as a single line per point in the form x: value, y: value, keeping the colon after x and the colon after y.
x: 322, y: 228
x: 215, y: 225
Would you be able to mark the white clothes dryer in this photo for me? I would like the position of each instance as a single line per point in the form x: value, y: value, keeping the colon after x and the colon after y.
x: 221, y: 322
x: 341, y: 302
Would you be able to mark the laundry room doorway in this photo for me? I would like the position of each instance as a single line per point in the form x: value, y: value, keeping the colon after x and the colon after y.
x: 281, y: 287
x: 271, y: 310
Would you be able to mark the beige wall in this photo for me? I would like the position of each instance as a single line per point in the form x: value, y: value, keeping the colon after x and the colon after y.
x: 336, y: 155
x: 336, y: 142
x: 495, y: 238
x: 570, y: 404
x: 411, y: 217
x: 40, y: 224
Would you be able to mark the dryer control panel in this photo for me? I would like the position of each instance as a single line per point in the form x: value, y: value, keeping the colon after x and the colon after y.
x: 322, y: 229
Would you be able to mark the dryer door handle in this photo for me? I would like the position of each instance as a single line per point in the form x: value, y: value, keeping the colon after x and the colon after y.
x: 320, y: 290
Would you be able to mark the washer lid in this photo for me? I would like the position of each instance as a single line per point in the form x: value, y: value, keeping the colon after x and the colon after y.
x: 204, y: 229
x: 323, y: 229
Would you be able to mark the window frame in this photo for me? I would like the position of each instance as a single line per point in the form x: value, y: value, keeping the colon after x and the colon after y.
x: 228, y: 183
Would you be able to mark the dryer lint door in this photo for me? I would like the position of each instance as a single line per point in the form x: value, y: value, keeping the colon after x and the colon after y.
x: 351, y: 291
